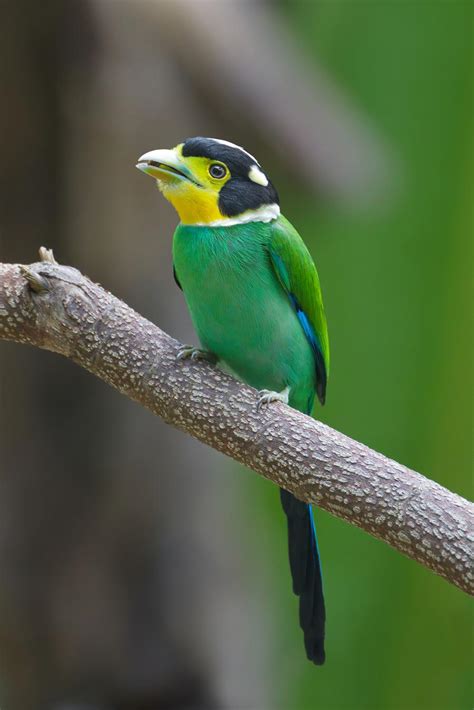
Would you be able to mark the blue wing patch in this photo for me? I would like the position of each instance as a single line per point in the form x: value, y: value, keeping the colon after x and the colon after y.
x: 321, y: 374
x: 281, y: 269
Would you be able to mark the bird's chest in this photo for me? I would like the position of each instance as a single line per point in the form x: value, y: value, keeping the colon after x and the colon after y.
x: 238, y: 308
x: 226, y: 278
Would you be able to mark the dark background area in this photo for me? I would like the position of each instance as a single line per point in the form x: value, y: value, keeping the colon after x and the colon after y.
x: 140, y: 570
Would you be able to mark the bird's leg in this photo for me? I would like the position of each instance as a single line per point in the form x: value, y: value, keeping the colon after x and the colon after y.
x: 187, y: 351
x: 267, y: 396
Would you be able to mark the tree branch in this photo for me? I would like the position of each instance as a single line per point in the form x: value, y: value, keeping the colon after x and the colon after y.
x: 57, y: 308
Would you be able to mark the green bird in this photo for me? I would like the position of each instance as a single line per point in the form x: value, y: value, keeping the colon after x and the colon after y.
x: 253, y: 293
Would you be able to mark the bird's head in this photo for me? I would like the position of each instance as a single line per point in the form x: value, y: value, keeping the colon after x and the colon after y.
x: 212, y: 182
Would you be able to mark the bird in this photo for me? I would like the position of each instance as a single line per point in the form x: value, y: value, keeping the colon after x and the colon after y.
x: 254, y: 296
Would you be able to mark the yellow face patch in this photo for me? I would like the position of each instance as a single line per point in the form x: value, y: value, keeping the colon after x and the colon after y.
x: 196, y: 201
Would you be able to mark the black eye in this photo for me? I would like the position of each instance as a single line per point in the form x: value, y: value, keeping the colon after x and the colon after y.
x: 218, y: 171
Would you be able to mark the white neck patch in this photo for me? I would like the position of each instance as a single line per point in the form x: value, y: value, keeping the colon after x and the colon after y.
x: 265, y: 213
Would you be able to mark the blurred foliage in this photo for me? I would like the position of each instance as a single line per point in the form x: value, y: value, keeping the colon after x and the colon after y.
x: 397, y: 286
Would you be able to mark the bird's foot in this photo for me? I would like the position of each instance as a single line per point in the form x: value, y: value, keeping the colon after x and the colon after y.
x: 267, y: 397
x: 188, y: 352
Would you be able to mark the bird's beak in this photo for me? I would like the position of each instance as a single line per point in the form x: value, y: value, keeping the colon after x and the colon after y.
x: 164, y: 165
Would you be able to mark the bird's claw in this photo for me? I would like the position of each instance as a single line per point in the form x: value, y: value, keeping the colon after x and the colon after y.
x: 188, y: 352
x: 268, y: 396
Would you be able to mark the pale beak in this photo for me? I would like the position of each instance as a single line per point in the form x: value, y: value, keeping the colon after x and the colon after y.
x: 164, y: 165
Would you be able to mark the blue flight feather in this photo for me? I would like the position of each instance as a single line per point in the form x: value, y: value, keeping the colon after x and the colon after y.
x: 315, y: 539
x: 321, y: 375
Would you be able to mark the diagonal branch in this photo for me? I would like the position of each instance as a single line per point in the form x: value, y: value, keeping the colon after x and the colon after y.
x: 57, y: 308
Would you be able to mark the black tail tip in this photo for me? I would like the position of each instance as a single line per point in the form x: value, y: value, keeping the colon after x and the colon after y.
x: 315, y: 651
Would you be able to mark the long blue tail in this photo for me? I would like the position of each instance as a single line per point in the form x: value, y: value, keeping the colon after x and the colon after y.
x: 306, y: 572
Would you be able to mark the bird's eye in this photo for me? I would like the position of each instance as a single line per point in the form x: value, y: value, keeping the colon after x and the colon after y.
x: 218, y: 171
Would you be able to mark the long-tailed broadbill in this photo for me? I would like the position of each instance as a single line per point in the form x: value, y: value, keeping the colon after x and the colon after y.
x: 253, y: 293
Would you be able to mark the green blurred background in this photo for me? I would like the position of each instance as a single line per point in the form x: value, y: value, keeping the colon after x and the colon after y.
x: 141, y: 570
x: 398, y: 294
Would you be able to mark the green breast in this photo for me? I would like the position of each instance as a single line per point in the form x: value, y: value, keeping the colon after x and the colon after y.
x: 239, y: 310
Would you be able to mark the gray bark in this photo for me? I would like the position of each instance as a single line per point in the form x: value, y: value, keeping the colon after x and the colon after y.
x: 57, y: 308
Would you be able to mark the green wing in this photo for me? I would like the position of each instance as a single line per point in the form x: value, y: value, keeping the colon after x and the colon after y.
x: 297, y: 274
